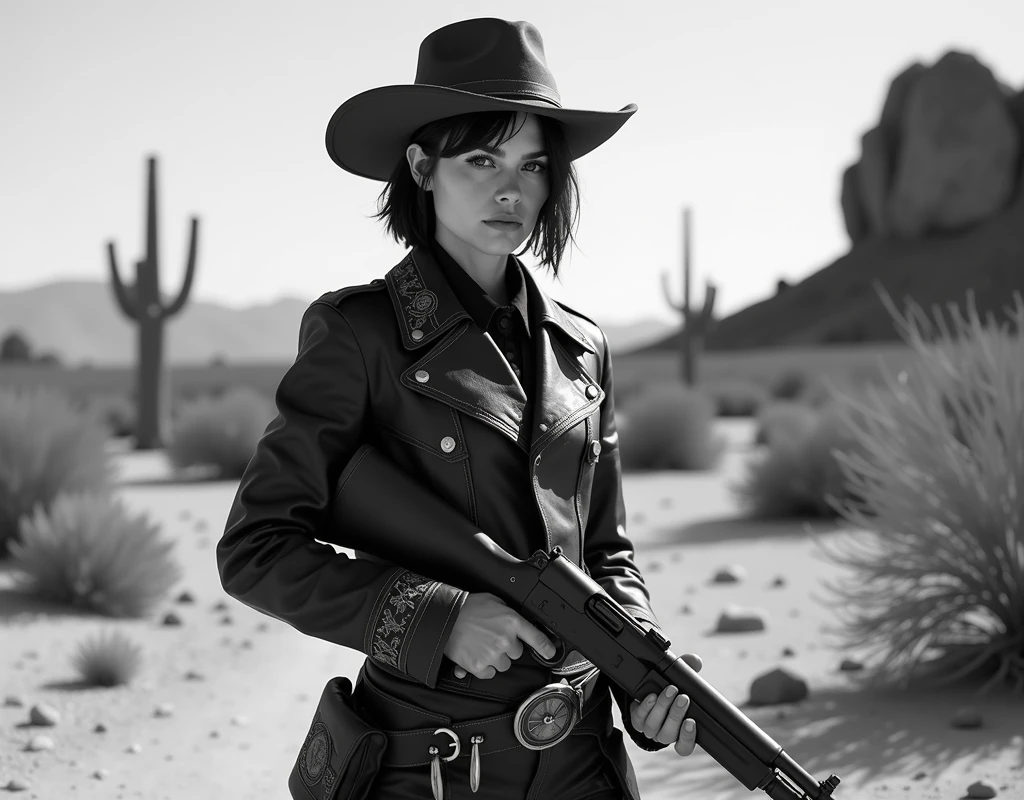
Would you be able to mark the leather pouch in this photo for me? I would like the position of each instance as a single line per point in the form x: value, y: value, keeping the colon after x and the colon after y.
x: 341, y: 754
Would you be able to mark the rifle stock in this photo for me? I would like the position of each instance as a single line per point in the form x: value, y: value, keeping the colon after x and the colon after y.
x: 561, y: 599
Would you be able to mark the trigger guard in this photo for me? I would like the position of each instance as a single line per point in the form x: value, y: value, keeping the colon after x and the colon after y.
x: 560, y: 653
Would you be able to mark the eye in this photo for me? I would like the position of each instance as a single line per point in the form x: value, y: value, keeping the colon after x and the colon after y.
x: 474, y: 159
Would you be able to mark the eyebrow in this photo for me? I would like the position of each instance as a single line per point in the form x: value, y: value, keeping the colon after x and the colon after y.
x: 497, y: 151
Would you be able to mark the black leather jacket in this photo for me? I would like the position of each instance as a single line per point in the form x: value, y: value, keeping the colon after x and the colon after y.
x: 398, y: 363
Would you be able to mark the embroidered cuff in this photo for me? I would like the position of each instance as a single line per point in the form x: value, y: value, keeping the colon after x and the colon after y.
x: 411, y: 622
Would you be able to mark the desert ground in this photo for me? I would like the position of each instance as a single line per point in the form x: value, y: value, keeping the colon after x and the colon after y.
x: 224, y: 700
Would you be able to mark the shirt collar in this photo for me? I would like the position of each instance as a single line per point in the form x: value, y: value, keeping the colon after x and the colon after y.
x: 478, y: 304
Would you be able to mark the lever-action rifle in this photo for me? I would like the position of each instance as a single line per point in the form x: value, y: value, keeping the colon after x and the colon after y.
x: 558, y: 597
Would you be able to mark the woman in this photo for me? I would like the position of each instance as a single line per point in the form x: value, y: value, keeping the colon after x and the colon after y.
x: 460, y: 369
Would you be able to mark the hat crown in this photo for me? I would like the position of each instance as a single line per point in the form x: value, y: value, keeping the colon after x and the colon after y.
x: 488, y: 56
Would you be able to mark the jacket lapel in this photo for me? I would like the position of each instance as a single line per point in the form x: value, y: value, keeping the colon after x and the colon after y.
x: 465, y: 370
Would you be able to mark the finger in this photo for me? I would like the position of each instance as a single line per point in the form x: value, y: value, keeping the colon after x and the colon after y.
x: 638, y: 715
x: 670, y: 727
x: 485, y: 674
x: 537, y: 640
x: 504, y: 662
x: 693, y: 661
x: 515, y: 648
x: 687, y: 738
x: 657, y: 713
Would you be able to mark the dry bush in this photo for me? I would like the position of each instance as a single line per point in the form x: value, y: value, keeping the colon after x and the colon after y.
x: 784, y: 421
x: 937, y: 590
x: 86, y: 551
x: 668, y: 426
x: 47, y: 446
x: 108, y: 659
x: 220, y: 431
x: 736, y: 397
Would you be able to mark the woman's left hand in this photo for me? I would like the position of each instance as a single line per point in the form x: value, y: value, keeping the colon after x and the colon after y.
x: 660, y: 718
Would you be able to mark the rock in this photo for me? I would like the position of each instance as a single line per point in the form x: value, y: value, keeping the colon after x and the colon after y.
x: 227, y: 620
x: 43, y: 714
x: 776, y: 687
x: 740, y: 620
x: 192, y: 675
x: 263, y: 627
x: 733, y: 573
x: 788, y: 652
x: 164, y: 710
x: 958, y: 150
x: 920, y: 776
x: 778, y: 581
x: 39, y: 742
x: 981, y: 789
x: 185, y: 597
x: 967, y: 717
x: 135, y: 747
x: 200, y: 525
x: 16, y: 785
x: 100, y: 773
x: 854, y: 215
x: 171, y: 619
x: 686, y: 609
x: 220, y: 605
x: 99, y: 728
x: 245, y: 644
x: 850, y: 665
x: 13, y: 701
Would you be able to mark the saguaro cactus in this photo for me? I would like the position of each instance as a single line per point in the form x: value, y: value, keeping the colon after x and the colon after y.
x: 141, y: 302
x: 695, y: 323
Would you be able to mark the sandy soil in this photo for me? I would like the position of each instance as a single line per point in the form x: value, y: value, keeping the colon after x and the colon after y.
x: 236, y: 731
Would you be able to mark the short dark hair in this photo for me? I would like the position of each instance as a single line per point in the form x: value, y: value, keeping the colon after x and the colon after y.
x: 409, y: 217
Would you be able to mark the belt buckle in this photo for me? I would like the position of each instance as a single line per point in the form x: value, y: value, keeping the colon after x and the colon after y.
x: 548, y: 715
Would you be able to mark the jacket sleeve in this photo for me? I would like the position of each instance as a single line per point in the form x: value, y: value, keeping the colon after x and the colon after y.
x: 268, y: 557
x: 608, y: 551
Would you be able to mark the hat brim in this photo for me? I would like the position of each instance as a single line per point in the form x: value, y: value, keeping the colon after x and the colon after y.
x: 368, y: 133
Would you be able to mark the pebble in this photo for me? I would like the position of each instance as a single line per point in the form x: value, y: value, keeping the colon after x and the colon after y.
x: 967, y: 717
x: 170, y: 618
x: 13, y: 701
x: 850, y: 665
x: 100, y: 773
x: 16, y: 785
x: 185, y: 597
x: 43, y: 714
x: 740, y: 620
x: 779, y: 582
x: 163, y: 710
x: 135, y: 747
x: 776, y: 687
x: 39, y: 742
x: 981, y: 789
x: 733, y: 573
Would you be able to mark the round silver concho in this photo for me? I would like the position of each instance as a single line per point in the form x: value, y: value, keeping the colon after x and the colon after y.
x: 423, y: 304
x: 548, y: 716
x: 316, y: 753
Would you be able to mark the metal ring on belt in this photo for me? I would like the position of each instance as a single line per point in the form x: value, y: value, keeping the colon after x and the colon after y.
x: 502, y: 732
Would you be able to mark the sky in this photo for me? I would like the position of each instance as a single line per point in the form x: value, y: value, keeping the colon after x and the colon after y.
x: 748, y: 113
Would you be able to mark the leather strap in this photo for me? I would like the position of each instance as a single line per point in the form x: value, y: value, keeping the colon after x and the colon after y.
x: 411, y: 748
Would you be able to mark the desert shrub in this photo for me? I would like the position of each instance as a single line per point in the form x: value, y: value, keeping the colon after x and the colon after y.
x: 88, y: 552
x: 798, y: 472
x: 116, y: 411
x: 937, y: 583
x: 736, y: 398
x: 221, y: 431
x: 790, y: 385
x: 668, y: 426
x: 107, y: 659
x: 47, y: 446
x: 784, y: 421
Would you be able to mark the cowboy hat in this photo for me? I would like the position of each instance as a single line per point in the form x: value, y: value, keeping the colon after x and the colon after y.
x: 468, y: 66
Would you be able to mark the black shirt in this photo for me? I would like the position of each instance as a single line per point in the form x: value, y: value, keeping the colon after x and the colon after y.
x: 509, y: 326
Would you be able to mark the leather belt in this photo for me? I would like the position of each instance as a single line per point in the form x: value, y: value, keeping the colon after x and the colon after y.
x: 412, y: 748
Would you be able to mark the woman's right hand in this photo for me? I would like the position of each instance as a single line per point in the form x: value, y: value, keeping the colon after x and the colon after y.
x: 488, y: 635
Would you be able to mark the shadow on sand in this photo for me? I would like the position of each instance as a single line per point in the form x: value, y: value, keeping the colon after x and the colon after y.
x: 736, y: 529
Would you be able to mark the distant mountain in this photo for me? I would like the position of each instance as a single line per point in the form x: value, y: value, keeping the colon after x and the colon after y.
x: 838, y: 304
x: 80, y: 322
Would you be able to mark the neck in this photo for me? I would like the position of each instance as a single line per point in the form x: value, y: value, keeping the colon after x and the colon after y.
x: 487, y: 270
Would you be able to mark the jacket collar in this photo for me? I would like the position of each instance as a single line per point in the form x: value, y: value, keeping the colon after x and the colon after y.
x: 426, y: 307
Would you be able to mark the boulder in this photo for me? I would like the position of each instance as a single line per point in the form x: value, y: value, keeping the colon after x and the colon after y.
x: 776, y: 687
x: 741, y: 620
x: 854, y: 215
x: 958, y: 154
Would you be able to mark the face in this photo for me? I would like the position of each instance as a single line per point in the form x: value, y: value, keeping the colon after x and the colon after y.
x: 476, y: 186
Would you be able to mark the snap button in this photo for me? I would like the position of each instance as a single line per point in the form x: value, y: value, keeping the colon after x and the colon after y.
x: 505, y: 322
x: 510, y: 355
x: 595, y: 448
x: 447, y: 444
x: 592, y: 391
x: 422, y: 375
x: 536, y: 461
x: 417, y: 335
x: 543, y: 428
